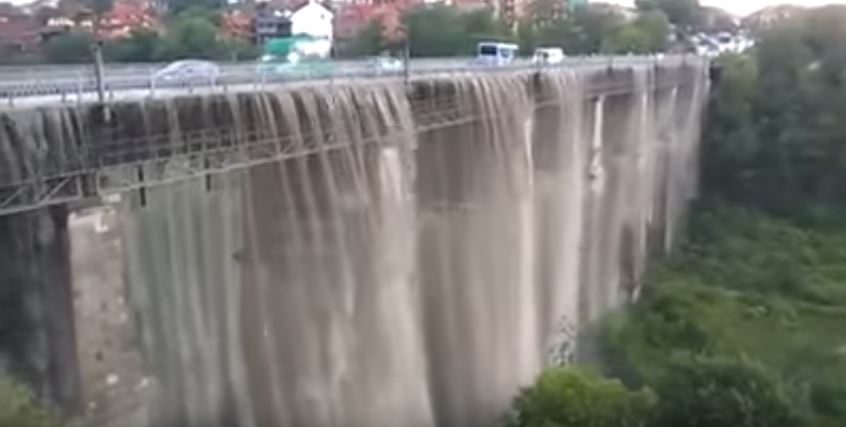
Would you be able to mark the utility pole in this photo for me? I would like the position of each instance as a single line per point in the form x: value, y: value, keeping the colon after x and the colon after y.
x: 406, y: 51
x: 98, y: 9
x: 97, y: 52
x: 97, y: 49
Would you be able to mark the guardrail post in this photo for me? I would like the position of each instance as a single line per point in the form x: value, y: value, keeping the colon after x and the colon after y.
x: 152, y: 83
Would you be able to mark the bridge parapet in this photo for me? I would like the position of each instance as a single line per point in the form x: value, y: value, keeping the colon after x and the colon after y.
x: 62, y: 154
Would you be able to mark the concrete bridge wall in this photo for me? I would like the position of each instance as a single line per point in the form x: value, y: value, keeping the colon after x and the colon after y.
x: 410, y: 276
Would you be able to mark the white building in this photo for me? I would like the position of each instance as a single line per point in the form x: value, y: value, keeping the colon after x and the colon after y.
x: 312, y: 19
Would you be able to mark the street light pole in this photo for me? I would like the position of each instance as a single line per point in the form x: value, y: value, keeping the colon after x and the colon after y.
x: 98, y: 70
x: 406, y: 53
x: 97, y: 52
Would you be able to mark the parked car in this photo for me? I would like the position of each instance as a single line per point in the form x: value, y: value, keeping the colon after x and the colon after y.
x: 188, y: 72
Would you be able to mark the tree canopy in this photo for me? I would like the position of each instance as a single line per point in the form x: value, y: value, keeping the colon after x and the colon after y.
x: 776, y: 131
x: 646, y: 34
x: 447, y: 31
x: 565, y: 397
x: 720, y: 392
x: 69, y: 48
x: 683, y: 13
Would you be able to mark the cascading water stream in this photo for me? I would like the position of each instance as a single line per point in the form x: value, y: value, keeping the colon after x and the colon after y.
x: 393, y: 275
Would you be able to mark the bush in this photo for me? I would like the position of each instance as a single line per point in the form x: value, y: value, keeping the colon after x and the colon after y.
x: 19, y: 408
x: 69, y: 48
x: 719, y: 392
x: 564, y: 397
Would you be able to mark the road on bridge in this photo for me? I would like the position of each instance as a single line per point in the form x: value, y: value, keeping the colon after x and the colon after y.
x: 57, y: 84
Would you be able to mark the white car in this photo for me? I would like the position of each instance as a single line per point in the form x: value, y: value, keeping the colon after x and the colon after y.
x: 386, y: 65
x: 548, y: 56
x: 190, y: 71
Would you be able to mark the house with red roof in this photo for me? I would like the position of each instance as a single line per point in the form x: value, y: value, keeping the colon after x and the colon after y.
x: 19, y: 31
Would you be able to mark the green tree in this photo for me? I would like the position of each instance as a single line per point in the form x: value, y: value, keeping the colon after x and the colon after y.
x: 657, y: 26
x: 566, y: 397
x: 177, y: 7
x: 446, y: 31
x: 716, y: 392
x: 191, y: 35
x: 140, y: 46
x: 436, y: 31
x: 367, y: 42
x: 584, y: 30
x: 778, y: 143
x: 481, y: 25
x: 69, y: 48
x: 683, y: 13
x: 526, y: 36
x: 628, y: 39
x: 648, y: 33
x: 239, y: 49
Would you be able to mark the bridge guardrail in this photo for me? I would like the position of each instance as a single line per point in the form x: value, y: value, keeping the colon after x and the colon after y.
x: 77, y: 85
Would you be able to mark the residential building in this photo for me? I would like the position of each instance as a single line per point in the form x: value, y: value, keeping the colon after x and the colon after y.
x: 313, y: 19
x: 18, y: 31
x: 270, y: 23
x: 125, y: 17
x: 237, y: 24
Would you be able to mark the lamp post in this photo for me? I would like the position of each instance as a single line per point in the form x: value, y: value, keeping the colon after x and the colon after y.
x: 97, y: 50
x: 406, y: 50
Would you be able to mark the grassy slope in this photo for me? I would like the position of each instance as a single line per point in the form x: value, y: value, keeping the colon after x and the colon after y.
x: 751, y: 286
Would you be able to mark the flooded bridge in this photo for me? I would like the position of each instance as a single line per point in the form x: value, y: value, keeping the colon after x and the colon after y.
x: 380, y: 252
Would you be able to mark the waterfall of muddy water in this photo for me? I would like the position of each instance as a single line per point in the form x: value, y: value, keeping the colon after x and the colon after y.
x: 475, y: 249
x: 285, y: 295
x: 36, y: 333
x: 560, y: 161
x: 401, y: 274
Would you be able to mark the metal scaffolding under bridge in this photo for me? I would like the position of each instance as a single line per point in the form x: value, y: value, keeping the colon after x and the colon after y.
x: 137, y: 163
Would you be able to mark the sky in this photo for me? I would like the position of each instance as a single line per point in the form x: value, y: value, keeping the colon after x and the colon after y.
x: 745, y: 7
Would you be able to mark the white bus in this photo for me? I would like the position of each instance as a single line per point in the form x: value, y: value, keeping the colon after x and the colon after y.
x: 495, y: 53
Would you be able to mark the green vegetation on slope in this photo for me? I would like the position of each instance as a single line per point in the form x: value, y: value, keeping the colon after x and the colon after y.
x: 19, y: 408
x: 743, y: 324
x: 571, y: 398
x: 747, y: 286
